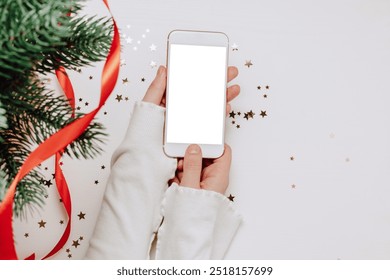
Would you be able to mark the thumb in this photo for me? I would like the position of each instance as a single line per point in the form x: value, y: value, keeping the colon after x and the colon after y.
x: 192, y: 167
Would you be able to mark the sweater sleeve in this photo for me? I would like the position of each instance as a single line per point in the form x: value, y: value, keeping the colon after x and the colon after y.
x: 130, y: 212
x: 198, y: 224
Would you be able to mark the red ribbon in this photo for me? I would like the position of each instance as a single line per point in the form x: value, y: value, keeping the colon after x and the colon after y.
x: 53, y: 146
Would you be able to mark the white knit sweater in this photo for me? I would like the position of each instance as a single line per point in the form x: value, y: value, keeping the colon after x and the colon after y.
x: 138, y: 205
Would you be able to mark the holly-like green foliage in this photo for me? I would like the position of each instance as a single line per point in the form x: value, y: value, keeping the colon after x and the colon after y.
x: 36, y: 38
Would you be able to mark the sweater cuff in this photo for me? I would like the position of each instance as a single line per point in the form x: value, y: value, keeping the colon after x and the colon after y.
x: 198, y: 224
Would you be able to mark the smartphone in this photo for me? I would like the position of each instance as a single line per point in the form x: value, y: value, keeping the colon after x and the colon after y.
x: 197, y: 64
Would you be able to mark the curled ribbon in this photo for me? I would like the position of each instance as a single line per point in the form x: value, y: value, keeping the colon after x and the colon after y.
x: 53, y: 146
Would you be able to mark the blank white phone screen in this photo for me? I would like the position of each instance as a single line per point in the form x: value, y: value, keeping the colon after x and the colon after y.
x: 196, y: 94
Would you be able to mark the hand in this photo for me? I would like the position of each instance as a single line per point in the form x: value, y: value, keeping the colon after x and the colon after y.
x: 208, y: 174
x: 156, y: 91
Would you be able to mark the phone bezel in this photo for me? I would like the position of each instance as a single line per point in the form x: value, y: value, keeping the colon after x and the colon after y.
x: 200, y: 38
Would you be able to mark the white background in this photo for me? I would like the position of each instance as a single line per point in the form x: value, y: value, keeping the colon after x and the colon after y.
x: 327, y: 67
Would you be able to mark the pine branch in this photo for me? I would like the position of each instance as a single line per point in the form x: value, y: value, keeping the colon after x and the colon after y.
x: 38, y: 36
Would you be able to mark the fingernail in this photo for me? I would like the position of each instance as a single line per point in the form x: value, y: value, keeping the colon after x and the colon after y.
x: 195, y: 149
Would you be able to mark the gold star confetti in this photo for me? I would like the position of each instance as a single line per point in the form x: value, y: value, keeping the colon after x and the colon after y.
x: 78, y: 108
x: 41, y: 224
x: 265, y: 96
x: 105, y: 113
x: 238, y: 126
x: 143, y: 80
x: 246, y: 116
x: 69, y: 256
x: 251, y: 114
x: 48, y: 183
x: 125, y: 81
x: 231, y: 197
x: 263, y: 114
x: 292, y: 158
x: 239, y: 113
x: 81, y: 238
x: 267, y: 87
x: 61, y: 222
x: 86, y: 103
x: 96, y: 182
x: 232, y: 114
x: 102, y: 167
x: 248, y: 63
x: 26, y: 235
x: 126, y: 98
x: 67, y: 250
x: 80, y: 99
x: 293, y: 186
x: 81, y: 216
x: 90, y: 77
x: 75, y: 243
x: 259, y: 87
x: 119, y: 97
x: 233, y: 122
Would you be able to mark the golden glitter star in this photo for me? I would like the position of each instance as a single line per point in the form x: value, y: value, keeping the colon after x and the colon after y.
x: 238, y: 126
x: 103, y: 167
x: 251, y: 114
x: 61, y: 222
x: 67, y: 250
x: 69, y: 256
x: 265, y: 96
x: 232, y: 114
x: 81, y: 215
x: 263, y: 113
x: 143, y: 80
x: 90, y: 77
x: 125, y: 81
x: 75, y: 243
x: 248, y: 63
x: 259, y: 87
x: 81, y: 238
x: 42, y: 223
x: 246, y: 116
x: 118, y: 97
x: 292, y: 158
x: 26, y: 235
x: 266, y: 87
x: 96, y: 182
x: 231, y: 197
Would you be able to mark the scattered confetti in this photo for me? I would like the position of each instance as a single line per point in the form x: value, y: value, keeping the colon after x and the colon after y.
x: 125, y: 81
x: 231, y: 197
x: 42, y: 224
x: 81, y: 216
x: 76, y: 243
x: 118, y: 97
x: 263, y: 114
x: 153, y: 64
x: 26, y: 235
x: 248, y: 63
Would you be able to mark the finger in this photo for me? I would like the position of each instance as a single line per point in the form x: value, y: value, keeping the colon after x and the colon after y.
x: 192, y: 167
x: 226, y: 158
x: 228, y: 109
x: 232, y: 73
x: 232, y: 92
x: 156, y: 90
